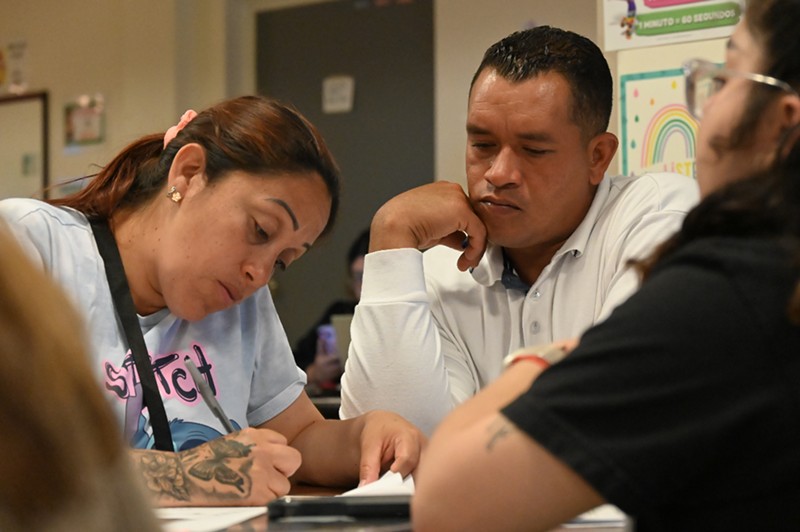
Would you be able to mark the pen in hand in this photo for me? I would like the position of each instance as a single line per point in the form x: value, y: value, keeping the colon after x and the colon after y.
x: 208, y: 395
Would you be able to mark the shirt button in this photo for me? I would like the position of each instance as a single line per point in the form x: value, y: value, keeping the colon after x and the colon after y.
x: 536, y: 294
x: 535, y: 327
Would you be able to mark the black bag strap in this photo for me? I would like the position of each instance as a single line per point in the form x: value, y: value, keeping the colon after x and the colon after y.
x: 123, y: 302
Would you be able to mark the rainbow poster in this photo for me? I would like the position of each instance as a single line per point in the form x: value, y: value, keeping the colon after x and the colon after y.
x: 658, y: 133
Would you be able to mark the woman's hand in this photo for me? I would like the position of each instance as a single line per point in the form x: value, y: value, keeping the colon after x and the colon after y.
x: 246, y: 468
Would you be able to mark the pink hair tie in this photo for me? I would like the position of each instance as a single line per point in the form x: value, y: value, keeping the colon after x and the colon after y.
x: 187, y: 117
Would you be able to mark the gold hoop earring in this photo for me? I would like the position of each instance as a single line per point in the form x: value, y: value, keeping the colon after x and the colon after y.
x: 173, y: 194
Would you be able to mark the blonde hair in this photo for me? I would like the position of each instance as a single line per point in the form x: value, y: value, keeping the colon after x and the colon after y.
x: 63, y: 464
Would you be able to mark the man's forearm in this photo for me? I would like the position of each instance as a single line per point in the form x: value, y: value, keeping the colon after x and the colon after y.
x: 395, y: 365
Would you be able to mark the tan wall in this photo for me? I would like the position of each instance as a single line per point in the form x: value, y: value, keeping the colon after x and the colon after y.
x: 463, y: 32
x: 152, y: 59
x: 123, y: 50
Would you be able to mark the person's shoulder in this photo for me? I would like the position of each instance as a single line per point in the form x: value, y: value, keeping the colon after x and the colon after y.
x: 44, y: 224
x: 663, y: 182
x: 33, y: 211
x: 760, y: 271
x: 734, y: 253
x: 14, y: 209
x: 659, y: 190
x: 56, y: 238
x: 751, y: 262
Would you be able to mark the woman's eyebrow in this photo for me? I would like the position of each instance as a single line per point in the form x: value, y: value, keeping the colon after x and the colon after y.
x: 289, y: 210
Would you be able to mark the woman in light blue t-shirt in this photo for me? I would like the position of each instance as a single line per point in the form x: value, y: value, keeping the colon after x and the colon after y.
x: 202, y: 217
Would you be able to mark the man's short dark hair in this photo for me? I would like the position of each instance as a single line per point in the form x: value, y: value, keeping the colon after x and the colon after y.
x: 528, y: 53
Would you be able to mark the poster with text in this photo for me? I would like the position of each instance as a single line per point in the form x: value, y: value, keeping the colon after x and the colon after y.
x: 658, y: 133
x: 639, y: 23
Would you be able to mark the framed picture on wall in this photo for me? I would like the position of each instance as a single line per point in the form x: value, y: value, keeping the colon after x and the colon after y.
x: 84, y: 121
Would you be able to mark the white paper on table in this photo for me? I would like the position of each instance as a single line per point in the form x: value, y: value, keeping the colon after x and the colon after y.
x: 389, y: 484
x: 206, y: 519
x: 606, y: 514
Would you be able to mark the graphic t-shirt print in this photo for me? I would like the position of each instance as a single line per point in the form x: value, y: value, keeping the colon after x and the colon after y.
x: 173, y: 381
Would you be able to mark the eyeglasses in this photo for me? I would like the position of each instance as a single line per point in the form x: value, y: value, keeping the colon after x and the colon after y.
x: 704, y: 79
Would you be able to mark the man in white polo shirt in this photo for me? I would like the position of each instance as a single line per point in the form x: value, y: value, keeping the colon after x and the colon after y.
x: 549, y: 235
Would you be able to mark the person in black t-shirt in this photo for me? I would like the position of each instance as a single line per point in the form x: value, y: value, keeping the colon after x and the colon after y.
x: 683, y: 407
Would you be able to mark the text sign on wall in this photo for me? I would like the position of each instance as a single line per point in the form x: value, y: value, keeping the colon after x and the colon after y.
x: 638, y: 23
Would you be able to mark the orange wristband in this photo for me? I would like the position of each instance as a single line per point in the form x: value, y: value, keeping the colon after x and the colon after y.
x: 527, y: 357
x: 544, y: 355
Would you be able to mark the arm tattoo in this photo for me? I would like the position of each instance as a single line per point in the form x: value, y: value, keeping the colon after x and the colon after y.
x: 220, y: 468
x: 216, y: 468
x: 497, y: 430
x: 163, y: 475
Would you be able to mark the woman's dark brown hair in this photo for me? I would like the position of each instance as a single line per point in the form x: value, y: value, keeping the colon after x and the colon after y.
x: 250, y: 134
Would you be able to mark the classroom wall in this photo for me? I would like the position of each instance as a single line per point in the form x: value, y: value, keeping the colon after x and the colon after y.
x: 152, y: 59
x: 463, y: 29
x: 124, y: 50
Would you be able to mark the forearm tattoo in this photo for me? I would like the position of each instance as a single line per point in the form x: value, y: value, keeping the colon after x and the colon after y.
x: 163, y: 475
x: 498, y: 430
x: 221, y: 467
x: 225, y: 453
